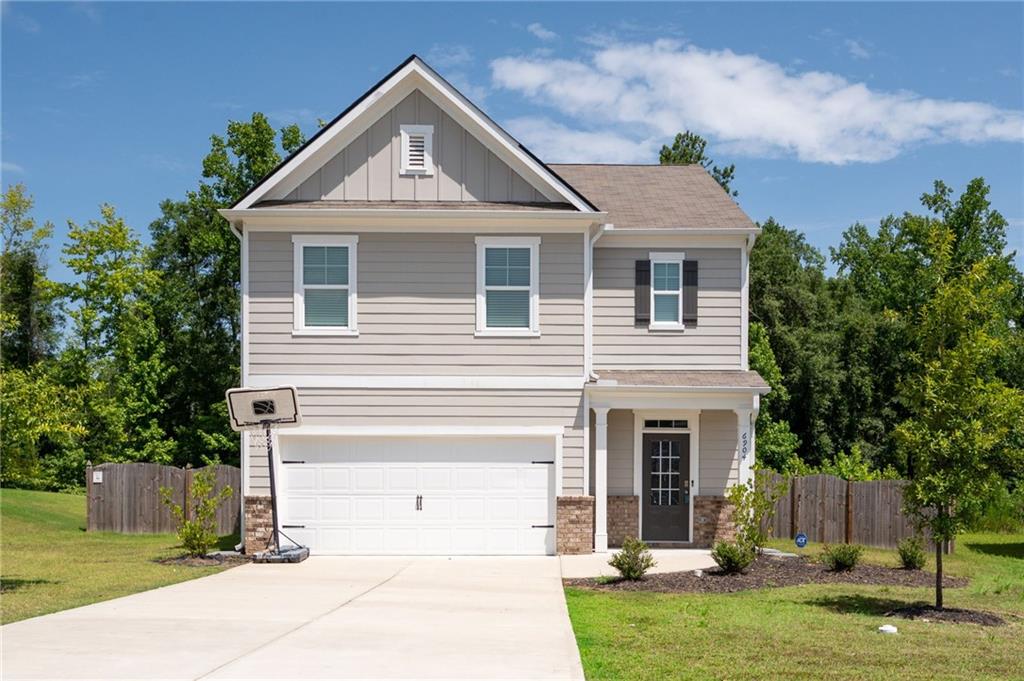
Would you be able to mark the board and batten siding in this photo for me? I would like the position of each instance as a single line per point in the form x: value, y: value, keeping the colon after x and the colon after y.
x: 368, y: 169
x: 416, y: 311
x: 377, y: 407
x: 622, y: 344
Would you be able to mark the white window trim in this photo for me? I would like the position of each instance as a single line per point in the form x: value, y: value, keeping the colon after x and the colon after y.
x: 299, y: 309
x: 428, y: 149
x: 482, y: 244
x: 676, y: 258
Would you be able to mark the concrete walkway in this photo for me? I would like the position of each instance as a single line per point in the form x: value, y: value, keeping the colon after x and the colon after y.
x: 668, y: 560
x: 324, y: 618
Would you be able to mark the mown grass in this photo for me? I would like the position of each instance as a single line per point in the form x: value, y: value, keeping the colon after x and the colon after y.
x: 814, y: 631
x: 48, y: 562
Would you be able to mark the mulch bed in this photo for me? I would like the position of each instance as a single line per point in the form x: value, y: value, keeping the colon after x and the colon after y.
x: 205, y: 561
x: 928, y: 613
x: 769, y: 572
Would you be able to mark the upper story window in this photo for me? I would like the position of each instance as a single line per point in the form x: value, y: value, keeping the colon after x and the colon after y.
x: 667, y: 290
x: 417, y: 149
x: 507, y: 286
x: 325, y: 285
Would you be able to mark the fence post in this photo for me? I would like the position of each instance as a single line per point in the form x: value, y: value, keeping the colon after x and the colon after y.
x: 794, y: 507
x: 849, y: 512
x: 186, y: 501
x: 88, y: 496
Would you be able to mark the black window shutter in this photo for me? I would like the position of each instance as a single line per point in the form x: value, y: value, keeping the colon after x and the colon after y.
x: 642, y: 292
x: 690, y: 292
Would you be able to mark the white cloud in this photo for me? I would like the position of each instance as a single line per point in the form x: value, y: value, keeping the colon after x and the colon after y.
x: 8, y: 167
x: 746, y: 104
x: 87, y: 9
x: 83, y: 80
x: 446, y: 56
x: 856, y: 49
x: 540, y: 32
x: 565, y: 145
x: 297, y: 116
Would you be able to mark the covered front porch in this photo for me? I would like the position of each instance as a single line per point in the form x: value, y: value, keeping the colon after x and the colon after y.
x: 663, y: 449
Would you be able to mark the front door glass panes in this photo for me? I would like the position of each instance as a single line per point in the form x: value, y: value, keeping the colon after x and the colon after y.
x: 665, y: 481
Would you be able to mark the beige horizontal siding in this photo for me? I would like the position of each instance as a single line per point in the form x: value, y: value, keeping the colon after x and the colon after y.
x: 416, y: 311
x: 620, y: 343
x: 369, y: 167
x: 719, y: 467
x: 620, y: 452
x: 339, y: 407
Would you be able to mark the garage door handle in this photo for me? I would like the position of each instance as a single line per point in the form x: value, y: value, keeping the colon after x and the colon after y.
x: 419, y: 502
x: 547, y: 462
x: 293, y: 462
x: 544, y: 527
x: 293, y: 527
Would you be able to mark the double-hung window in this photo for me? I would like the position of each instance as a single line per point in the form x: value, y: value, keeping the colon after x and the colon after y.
x: 325, y: 285
x: 667, y: 290
x: 507, y: 286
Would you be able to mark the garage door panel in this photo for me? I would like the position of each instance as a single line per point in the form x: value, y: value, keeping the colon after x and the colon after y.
x: 476, y: 495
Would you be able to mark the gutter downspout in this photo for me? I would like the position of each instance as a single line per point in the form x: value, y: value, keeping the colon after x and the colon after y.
x: 588, y: 309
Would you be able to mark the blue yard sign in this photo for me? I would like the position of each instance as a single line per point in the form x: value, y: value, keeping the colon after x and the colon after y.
x: 801, y: 540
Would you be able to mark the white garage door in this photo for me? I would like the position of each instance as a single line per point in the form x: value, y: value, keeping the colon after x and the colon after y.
x: 405, y: 496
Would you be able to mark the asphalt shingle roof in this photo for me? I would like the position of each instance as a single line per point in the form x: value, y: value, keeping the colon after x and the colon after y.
x: 655, y: 196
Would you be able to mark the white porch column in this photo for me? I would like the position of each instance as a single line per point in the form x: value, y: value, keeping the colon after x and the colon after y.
x: 601, y: 479
x: 744, y: 444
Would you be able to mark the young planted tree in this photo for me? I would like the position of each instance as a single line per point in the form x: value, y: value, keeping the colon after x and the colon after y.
x: 690, y: 148
x: 966, y: 422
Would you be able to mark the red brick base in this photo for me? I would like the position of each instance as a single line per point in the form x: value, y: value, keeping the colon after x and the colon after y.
x: 623, y: 519
x: 259, y: 526
x: 574, y: 525
x: 712, y: 521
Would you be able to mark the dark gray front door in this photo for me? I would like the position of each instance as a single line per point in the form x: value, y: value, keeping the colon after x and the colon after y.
x: 666, y: 499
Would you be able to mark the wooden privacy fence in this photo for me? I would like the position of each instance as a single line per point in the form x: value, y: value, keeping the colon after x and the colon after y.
x: 125, y: 497
x: 832, y: 510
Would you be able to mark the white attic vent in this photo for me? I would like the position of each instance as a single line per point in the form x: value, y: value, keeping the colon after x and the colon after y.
x: 417, y: 149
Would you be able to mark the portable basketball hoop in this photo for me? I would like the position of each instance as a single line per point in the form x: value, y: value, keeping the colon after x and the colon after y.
x: 266, y: 409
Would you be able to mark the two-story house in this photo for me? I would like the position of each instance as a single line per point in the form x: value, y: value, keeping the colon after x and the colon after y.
x: 494, y: 355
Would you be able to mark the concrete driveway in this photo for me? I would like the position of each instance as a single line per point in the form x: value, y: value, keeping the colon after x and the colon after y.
x: 324, y: 618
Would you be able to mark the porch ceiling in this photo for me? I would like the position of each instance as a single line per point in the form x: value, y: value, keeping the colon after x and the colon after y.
x: 689, y: 380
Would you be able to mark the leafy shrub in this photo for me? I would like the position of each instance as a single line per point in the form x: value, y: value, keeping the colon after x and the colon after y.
x: 198, y: 533
x: 911, y: 553
x: 634, y: 560
x: 733, y: 557
x: 753, y: 507
x: 841, y: 557
x: 1004, y: 512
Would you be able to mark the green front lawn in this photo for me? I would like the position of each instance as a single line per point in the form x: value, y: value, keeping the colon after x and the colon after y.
x: 48, y: 562
x: 814, y: 631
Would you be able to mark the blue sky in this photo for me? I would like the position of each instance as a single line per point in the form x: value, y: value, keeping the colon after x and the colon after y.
x: 833, y: 113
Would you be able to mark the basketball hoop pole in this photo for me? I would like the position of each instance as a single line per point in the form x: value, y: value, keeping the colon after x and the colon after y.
x: 267, y: 425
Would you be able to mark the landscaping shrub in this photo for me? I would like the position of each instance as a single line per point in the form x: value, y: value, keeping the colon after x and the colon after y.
x: 911, y: 553
x: 733, y: 557
x: 198, y: 533
x: 634, y: 560
x: 841, y: 557
x: 753, y: 507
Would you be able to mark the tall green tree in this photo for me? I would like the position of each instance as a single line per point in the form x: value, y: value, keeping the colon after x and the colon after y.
x: 114, y: 355
x: 197, y: 305
x: 690, y: 148
x: 776, y: 443
x: 28, y: 321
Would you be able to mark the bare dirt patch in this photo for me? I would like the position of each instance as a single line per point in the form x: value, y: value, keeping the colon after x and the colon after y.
x: 928, y: 613
x: 213, y: 560
x: 768, y: 572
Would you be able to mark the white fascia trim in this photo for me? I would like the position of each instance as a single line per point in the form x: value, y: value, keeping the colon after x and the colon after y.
x: 418, y: 382
x: 249, y: 215
x: 413, y: 75
x: 600, y: 387
x: 482, y: 244
x: 424, y: 431
x: 695, y: 231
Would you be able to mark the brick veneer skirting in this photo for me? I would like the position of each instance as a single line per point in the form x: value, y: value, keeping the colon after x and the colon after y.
x: 712, y: 521
x: 623, y: 519
x: 574, y: 525
x: 259, y: 526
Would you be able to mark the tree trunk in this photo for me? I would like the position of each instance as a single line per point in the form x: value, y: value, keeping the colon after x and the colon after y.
x: 938, y: 572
